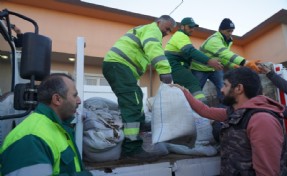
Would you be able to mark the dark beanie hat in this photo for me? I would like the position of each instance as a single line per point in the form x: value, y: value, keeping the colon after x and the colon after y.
x: 226, y: 23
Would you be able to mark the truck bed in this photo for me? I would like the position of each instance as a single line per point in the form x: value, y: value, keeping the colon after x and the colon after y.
x: 172, y: 164
x: 130, y: 162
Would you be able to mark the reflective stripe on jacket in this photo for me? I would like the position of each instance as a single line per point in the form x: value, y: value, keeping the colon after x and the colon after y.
x: 216, y: 47
x: 138, y: 48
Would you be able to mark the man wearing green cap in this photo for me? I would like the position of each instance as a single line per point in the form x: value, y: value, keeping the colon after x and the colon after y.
x: 180, y: 52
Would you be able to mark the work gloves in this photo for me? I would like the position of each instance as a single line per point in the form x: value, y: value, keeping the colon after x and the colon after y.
x: 166, y: 78
x: 253, y: 64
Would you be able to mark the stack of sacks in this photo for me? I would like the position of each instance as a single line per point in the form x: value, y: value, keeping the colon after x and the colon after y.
x: 103, y: 134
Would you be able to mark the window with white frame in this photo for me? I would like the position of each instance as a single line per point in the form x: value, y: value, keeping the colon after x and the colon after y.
x: 95, y: 80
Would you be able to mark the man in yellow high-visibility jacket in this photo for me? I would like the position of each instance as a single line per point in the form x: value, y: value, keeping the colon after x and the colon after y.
x: 218, y: 46
x: 44, y: 143
x: 123, y: 65
x: 180, y: 53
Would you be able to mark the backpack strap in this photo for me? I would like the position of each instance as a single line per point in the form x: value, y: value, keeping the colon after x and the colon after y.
x: 249, y: 112
x: 244, y: 122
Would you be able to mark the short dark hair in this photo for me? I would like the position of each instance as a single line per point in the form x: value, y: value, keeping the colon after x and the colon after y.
x: 52, y: 84
x: 166, y: 18
x: 248, y: 78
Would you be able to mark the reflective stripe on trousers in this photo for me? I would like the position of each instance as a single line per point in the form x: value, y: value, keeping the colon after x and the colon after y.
x: 131, y: 130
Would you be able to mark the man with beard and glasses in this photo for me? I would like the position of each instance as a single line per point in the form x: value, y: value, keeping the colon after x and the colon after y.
x: 251, y: 143
x: 43, y: 144
x: 180, y: 53
x: 123, y: 66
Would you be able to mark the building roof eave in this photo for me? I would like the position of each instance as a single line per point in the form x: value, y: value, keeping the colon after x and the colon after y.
x: 87, y: 9
x: 111, y: 14
x: 278, y: 18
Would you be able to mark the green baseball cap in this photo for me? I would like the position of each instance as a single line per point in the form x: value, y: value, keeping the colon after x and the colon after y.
x: 188, y: 21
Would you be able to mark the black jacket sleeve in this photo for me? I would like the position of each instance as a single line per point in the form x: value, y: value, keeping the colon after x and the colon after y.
x: 279, y: 82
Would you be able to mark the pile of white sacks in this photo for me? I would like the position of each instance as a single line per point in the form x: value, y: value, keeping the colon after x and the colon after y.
x: 170, y: 116
x: 103, y: 130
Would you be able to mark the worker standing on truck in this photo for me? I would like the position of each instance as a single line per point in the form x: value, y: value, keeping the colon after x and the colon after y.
x: 180, y: 53
x: 218, y: 46
x: 123, y: 66
x: 43, y: 144
x: 253, y: 139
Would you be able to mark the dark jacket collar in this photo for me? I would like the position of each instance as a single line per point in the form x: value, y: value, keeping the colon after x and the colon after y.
x: 225, y: 39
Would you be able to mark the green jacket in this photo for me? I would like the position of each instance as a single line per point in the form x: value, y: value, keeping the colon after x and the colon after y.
x: 138, y: 48
x: 216, y: 47
x: 41, y: 144
x: 180, y: 51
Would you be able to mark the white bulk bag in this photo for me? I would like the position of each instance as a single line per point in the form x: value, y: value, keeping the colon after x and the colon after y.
x: 172, y: 116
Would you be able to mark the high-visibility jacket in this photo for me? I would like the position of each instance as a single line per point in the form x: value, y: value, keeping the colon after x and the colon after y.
x: 216, y: 47
x: 180, y: 51
x: 138, y: 48
x: 41, y: 144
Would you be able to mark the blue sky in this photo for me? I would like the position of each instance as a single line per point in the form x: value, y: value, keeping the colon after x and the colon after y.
x: 246, y: 14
